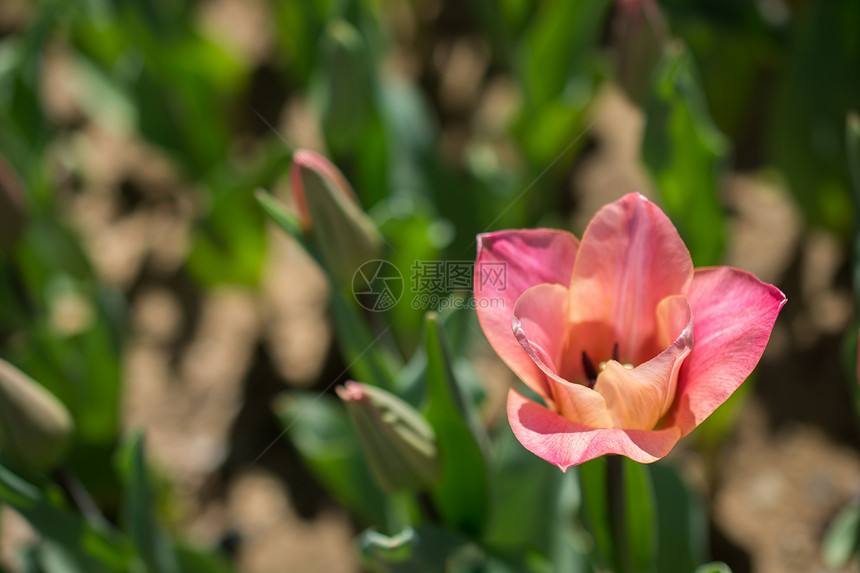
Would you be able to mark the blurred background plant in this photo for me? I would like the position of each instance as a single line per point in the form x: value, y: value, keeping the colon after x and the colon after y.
x: 142, y: 289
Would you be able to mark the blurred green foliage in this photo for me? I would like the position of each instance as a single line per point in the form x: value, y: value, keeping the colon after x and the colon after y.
x: 752, y: 86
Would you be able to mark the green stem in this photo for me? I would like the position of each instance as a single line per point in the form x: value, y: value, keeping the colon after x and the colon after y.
x: 617, y: 506
x: 593, y: 481
x: 79, y: 496
x: 402, y: 512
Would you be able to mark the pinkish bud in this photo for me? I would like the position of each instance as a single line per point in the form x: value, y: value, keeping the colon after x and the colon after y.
x: 329, y: 211
x: 398, y: 442
x: 640, y: 34
x: 35, y: 428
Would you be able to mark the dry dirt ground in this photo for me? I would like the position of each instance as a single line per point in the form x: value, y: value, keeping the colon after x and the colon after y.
x: 202, y: 367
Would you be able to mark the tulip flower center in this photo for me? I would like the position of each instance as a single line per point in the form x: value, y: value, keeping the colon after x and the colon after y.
x: 591, y: 372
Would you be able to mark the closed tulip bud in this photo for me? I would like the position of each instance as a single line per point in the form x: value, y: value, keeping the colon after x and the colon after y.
x: 35, y: 428
x: 640, y: 34
x: 329, y: 211
x: 398, y: 442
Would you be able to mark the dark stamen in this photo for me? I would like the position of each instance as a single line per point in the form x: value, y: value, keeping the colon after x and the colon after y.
x: 615, y: 353
x: 590, y: 370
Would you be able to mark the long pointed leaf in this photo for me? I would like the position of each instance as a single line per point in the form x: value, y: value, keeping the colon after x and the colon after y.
x: 640, y: 515
x: 139, y: 515
x: 461, y: 494
x: 88, y: 548
x: 685, y: 154
x: 683, y: 524
x: 592, y: 475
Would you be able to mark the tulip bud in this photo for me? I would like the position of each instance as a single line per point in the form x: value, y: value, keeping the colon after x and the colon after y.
x: 35, y: 428
x: 399, y: 443
x: 640, y: 34
x: 329, y: 210
x: 12, y: 207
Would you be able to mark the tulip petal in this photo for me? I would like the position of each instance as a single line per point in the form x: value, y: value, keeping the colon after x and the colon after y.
x: 631, y: 258
x: 540, y: 326
x: 564, y: 443
x: 638, y: 397
x: 508, y: 264
x: 581, y: 405
x: 734, y: 313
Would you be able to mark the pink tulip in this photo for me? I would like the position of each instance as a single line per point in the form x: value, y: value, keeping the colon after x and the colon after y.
x: 629, y: 347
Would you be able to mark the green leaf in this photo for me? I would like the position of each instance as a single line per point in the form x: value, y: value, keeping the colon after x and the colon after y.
x: 345, y: 86
x: 685, y: 154
x: 299, y: 26
x: 817, y: 87
x: 345, y: 90
x: 26, y: 130
x: 554, y: 133
x: 525, y: 496
x: 230, y: 245
x: 620, y: 512
x: 842, y: 537
x: 80, y: 545
x: 181, y: 81
x: 283, y: 218
x: 422, y: 550
x: 852, y: 145
x: 640, y: 513
x: 534, y: 523
x: 409, y: 224
x: 369, y: 360
x: 139, y: 516
x: 715, y: 567
x: 412, y: 135
x: 104, y: 100
x: 461, y: 494
x: 191, y: 560
x: 569, y: 538
x: 81, y: 367
x: 30, y: 561
x: 682, y: 520
x: 555, y: 50
x: 53, y: 558
x: 320, y: 430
